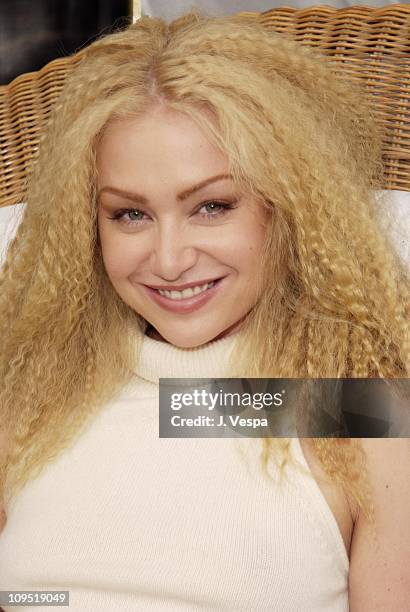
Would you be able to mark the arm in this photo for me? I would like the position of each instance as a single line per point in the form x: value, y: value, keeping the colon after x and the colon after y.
x: 379, y: 578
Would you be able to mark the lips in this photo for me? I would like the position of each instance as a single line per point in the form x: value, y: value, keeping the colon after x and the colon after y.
x: 185, y: 305
x: 182, y: 287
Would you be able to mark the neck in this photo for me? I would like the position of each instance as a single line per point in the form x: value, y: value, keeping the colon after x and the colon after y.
x: 165, y: 360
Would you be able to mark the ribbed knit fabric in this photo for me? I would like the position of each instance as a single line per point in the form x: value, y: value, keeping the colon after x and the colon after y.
x: 125, y: 520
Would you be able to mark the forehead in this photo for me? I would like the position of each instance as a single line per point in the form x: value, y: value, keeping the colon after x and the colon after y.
x: 165, y: 143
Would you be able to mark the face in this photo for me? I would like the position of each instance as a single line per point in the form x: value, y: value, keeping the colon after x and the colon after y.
x: 170, y: 216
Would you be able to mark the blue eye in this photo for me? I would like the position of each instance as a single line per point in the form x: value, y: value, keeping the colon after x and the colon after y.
x: 223, y: 208
x: 218, y: 209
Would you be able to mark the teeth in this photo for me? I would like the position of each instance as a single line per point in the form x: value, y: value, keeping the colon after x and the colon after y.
x: 186, y: 293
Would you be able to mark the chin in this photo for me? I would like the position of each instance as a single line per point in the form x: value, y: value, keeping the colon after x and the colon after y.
x: 189, y: 341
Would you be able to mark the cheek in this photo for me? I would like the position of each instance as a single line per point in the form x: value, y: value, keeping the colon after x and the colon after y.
x: 120, y: 259
x: 249, y: 242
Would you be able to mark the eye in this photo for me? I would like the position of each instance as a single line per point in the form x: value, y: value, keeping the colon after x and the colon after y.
x: 217, y: 210
x: 224, y: 207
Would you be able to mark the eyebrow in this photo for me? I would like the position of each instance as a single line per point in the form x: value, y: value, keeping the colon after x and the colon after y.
x: 140, y: 199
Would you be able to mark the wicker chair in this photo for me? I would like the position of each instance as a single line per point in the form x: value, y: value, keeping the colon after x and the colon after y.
x: 367, y: 43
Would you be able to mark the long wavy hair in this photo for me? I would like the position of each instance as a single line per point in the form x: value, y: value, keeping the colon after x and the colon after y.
x: 335, y: 299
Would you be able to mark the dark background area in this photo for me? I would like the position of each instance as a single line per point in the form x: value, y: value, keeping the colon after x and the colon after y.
x: 34, y: 32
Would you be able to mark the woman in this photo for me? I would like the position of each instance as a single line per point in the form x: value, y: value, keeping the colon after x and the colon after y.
x: 207, y: 153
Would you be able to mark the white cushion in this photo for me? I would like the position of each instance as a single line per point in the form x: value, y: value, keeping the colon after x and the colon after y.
x: 393, y: 209
x: 10, y: 217
x: 394, y: 215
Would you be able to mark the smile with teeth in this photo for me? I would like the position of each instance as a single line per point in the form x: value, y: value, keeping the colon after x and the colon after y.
x: 186, y: 293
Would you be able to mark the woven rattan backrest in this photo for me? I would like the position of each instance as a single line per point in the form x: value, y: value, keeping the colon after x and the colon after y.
x: 372, y: 45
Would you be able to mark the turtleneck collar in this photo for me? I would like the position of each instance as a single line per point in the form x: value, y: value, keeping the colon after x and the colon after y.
x: 162, y: 360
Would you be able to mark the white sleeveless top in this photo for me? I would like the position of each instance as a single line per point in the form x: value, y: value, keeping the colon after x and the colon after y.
x: 125, y: 520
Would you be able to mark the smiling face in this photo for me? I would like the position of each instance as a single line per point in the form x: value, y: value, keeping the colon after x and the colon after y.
x: 180, y: 220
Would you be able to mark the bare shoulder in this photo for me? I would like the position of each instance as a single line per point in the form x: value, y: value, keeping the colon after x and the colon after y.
x: 379, y: 577
x: 344, y: 510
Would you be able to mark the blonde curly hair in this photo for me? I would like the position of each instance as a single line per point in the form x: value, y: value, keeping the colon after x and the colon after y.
x: 335, y: 298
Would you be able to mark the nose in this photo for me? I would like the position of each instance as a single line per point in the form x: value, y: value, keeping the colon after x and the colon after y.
x: 173, y: 253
